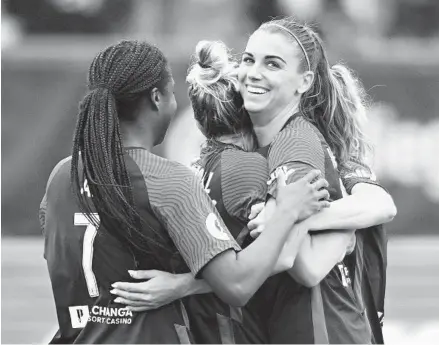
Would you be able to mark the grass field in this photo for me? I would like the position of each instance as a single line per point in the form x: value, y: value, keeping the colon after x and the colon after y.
x: 28, y: 312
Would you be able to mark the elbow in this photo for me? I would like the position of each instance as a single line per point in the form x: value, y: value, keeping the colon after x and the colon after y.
x: 237, y: 296
x: 309, y: 277
x: 234, y: 294
x: 389, y: 209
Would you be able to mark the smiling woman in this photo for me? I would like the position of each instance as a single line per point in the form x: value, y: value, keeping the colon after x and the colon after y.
x: 308, y: 115
x: 269, y: 76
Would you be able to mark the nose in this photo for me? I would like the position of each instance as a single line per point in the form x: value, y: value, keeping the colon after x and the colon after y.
x: 253, y: 72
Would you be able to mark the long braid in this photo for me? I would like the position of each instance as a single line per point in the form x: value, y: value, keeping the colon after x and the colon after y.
x: 118, y: 77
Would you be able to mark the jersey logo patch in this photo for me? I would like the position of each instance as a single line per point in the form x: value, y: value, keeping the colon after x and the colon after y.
x: 79, y: 316
x: 215, y: 229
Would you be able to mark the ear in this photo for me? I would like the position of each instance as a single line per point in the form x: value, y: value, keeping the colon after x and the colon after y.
x: 307, y: 81
x: 155, y: 98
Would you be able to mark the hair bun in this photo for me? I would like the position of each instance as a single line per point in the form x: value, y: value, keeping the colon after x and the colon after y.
x: 212, y: 62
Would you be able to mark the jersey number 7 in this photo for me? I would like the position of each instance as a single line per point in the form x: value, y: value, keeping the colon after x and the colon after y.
x: 87, y: 252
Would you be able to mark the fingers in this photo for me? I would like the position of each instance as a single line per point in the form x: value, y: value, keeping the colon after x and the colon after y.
x: 139, y: 309
x: 131, y: 303
x: 324, y: 204
x: 312, y: 175
x: 132, y: 296
x: 256, y: 233
x: 255, y: 210
x: 320, y: 183
x: 145, y: 274
x: 322, y: 194
x: 253, y: 224
x: 130, y: 287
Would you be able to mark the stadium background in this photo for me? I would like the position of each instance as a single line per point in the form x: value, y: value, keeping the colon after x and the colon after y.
x: 47, y: 46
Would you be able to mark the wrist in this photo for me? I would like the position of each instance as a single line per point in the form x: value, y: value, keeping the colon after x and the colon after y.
x: 184, y: 286
x: 284, y: 211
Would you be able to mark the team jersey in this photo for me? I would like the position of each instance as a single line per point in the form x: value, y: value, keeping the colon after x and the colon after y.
x: 235, y: 180
x: 84, y: 261
x: 370, y: 254
x: 328, y: 312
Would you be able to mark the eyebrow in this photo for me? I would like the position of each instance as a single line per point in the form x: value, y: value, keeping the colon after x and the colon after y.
x: 268, y: 57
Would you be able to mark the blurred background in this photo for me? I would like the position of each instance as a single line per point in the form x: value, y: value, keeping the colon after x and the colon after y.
x: 47, y: 46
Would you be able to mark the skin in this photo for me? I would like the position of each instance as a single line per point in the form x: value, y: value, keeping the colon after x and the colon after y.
x: 271, y: 64
x: 235, y: 276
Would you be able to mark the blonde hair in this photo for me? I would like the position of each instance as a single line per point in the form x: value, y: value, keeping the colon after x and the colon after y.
x: 213, y: 91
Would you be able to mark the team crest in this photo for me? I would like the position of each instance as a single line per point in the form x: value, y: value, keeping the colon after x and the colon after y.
x: 215, y: 229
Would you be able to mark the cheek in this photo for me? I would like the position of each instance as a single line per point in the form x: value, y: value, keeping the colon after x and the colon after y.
x: 242, y: 73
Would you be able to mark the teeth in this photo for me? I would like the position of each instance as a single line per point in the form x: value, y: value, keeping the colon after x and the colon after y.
x: 256, y: 90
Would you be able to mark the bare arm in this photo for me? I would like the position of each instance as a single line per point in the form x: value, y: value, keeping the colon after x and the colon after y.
x: 318, y: 254
x: 368, y: 205
x: 235, y: 277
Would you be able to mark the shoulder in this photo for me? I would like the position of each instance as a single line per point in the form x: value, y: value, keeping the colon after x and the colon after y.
x: 299, y: 141
x: 242, y: 159
x: 299, y: 134
x: 62, y: 163
x: 243, y: 168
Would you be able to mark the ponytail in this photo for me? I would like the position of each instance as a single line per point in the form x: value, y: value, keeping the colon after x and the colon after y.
x: 336, y: 104
x: 118, y: 78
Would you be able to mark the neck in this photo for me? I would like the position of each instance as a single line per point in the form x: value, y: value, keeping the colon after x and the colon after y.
x: 266, y: 130
x: 133, y: 135
x: 243, y: 141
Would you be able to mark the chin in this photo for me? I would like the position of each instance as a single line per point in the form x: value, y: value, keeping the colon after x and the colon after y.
x: 253, y: 108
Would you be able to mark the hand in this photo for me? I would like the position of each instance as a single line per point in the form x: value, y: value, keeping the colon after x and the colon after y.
x: 161, y: 288
x: 257, y: 220
x: 302, y: 197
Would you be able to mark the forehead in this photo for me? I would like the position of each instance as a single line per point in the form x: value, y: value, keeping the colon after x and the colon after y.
x: 263, y: 43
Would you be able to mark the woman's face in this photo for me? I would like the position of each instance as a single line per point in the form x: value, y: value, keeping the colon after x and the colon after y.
x: 269, y: 75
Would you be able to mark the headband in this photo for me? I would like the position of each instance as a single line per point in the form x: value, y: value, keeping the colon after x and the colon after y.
x: 295, y: 37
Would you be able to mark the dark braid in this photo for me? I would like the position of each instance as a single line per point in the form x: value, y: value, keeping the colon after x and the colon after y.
x: 118, y: 78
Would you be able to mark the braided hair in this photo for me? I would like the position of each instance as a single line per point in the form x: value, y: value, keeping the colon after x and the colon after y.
x: 119, y: 78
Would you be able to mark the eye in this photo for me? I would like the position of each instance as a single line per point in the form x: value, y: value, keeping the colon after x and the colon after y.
x: 247, y: 59
x: 273, y: 64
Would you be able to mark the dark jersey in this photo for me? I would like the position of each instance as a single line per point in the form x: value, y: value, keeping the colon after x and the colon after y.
x: 370, y: 254
x: 235, y: 180
x: 328, y: 312
x: 84, y: 261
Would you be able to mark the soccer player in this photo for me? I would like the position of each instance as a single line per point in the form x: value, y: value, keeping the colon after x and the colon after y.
x: 114, y: 206
x: 217, y: 110
x: 291, y: 92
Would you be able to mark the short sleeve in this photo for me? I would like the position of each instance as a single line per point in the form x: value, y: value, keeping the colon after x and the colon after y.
x: 354, y: 172
x: 296, y: 151
x: 193, y: 223
x: 243, y: 182
x: 43, y: 204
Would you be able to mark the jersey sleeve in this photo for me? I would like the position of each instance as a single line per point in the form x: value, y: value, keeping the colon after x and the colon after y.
x: 193, y: 223
x: 43, y: 203
x: 296, y: 152
x: 243, y: 182
x: 354, y: 172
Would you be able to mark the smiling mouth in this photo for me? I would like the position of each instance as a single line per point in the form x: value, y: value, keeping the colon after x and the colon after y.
x: 255, y: 90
